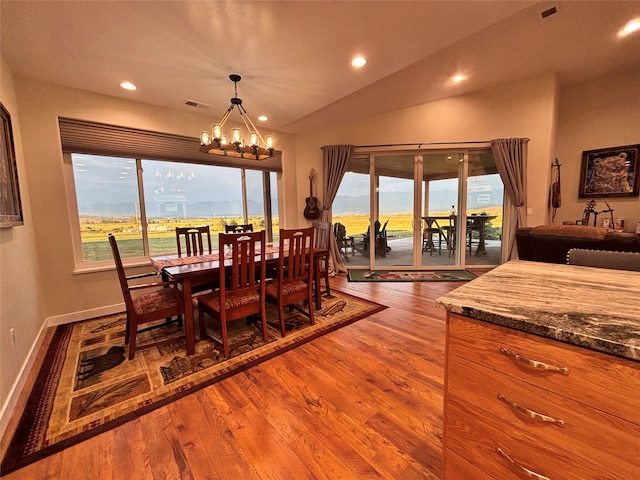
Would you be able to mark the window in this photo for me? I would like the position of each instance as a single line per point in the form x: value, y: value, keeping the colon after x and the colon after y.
x: 142, y: 201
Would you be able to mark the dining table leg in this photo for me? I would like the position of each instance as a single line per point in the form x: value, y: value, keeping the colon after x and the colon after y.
x: 188, y: 313
x: 316, y: 279
x: 481, y: 239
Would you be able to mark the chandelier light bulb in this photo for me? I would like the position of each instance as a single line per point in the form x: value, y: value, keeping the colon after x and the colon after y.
x: 235, y: 135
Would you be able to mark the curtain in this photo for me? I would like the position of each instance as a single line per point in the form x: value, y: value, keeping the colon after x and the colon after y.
x: 510, y: 155
x: 335, y: 159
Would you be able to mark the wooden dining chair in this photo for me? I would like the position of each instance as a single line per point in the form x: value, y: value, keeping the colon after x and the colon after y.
x: 322, y: 233
x: 295, y: 274
x: 193, y: 239
x: 146, y: 304
x: 248, y: 227
x: 242, y: 284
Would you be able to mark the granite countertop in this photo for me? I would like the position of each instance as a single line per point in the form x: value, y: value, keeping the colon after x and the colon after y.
x: 595, y: 308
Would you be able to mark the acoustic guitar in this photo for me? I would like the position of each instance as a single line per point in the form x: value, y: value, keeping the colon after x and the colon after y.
x: 312, y: 210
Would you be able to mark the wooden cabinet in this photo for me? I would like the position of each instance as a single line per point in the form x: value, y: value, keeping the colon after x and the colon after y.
x: 518, y: 405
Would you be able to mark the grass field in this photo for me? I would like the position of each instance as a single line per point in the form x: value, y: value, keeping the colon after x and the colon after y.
x: 401, y: 225
x: 162, y: 239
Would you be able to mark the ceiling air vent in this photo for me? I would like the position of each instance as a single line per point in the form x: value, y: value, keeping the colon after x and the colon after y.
x: 193, y: 103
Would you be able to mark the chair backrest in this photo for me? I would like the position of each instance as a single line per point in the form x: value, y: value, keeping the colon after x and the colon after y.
x: 243, y: 259
x: 248, y: 227
x: 193, y: 239
x: 295, y: 254
x: 122, y: 276
x: 383, y: 232
x: 322, y: 232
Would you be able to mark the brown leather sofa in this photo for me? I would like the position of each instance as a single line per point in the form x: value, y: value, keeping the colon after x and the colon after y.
x: 550, y: 243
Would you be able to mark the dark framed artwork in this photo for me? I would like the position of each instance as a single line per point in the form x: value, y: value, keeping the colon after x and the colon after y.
x: 10, y: 205
x: 610, y: 172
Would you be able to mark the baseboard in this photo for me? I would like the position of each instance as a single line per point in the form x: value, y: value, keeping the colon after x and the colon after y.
x: 84, y: 315
x: 16, y: 389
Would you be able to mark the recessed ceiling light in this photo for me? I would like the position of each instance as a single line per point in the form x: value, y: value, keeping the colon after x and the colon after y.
x: 128, y: 86
x: 263, y: 118
x: 358, y: 62
x: 629, y: 28
x: 459, y: 78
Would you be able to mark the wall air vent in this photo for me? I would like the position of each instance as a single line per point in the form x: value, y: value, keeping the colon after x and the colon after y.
x: 549, y: 12
x: 193, y: 103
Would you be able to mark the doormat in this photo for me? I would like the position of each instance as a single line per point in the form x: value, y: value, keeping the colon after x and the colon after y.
x: 87, y: 386
x: 410, y: 276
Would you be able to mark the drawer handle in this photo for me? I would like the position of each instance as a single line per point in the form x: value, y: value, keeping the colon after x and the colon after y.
x: 533, y: 363
x: 525, y: 412
x: 519, y: 469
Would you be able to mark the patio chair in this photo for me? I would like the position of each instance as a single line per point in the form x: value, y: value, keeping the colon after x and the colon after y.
x: 344, y: 241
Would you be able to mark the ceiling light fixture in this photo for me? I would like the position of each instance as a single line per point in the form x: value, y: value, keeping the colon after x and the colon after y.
x: 358, y: 62
x: 629, y: 28
x: 459, y: 78
x: 216, y: 142
x: 128, y: 86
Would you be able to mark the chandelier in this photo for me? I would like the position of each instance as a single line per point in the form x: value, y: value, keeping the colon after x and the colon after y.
x: 217, y: 143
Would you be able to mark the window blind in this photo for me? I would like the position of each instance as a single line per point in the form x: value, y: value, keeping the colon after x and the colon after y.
x: 80, y: 136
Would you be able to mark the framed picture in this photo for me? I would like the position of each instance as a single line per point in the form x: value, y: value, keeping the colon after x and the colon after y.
x: 10, y: 205
x: 610, y: 172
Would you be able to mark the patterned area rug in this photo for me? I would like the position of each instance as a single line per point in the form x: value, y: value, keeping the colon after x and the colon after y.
x: 86, y: 386
x: 410, y: 276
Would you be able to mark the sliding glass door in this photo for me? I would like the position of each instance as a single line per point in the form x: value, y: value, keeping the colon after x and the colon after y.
x: 434, y: 209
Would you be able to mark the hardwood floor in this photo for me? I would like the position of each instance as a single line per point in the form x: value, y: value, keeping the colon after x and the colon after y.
x: 363, y: 402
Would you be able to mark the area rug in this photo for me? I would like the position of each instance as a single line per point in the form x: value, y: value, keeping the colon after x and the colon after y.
x: 410, y: 276
x: 86, y: 386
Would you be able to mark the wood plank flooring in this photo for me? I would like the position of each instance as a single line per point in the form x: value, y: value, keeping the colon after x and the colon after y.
x: 363, y: 402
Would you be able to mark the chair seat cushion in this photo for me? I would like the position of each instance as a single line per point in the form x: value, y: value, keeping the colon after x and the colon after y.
x: 212, y: 300
x: 272, y: 288
x: 164, y: 298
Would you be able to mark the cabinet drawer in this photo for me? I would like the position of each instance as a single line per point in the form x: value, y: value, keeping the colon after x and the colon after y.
x: 478, y: 437
x: 599, y: 380
x: 601, y: 438
x: 457, y: 468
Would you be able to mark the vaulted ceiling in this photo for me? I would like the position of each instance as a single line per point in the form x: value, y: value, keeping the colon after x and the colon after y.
x: 294, y: 55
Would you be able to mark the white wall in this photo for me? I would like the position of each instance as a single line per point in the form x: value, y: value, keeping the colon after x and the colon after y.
x: 593, y: 115
x: 78, y: 296
x: 21, y: 299
x: 524, y: 108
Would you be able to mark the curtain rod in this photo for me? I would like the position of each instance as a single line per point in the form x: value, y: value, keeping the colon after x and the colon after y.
x: 419, y: 144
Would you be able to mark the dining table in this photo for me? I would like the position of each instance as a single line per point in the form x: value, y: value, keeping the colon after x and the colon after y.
x: 446, y: 225
x: 478, y: 222
x: 201, y: 269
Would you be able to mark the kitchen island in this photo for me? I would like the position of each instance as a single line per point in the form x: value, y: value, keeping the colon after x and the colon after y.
x: 542, y: 374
